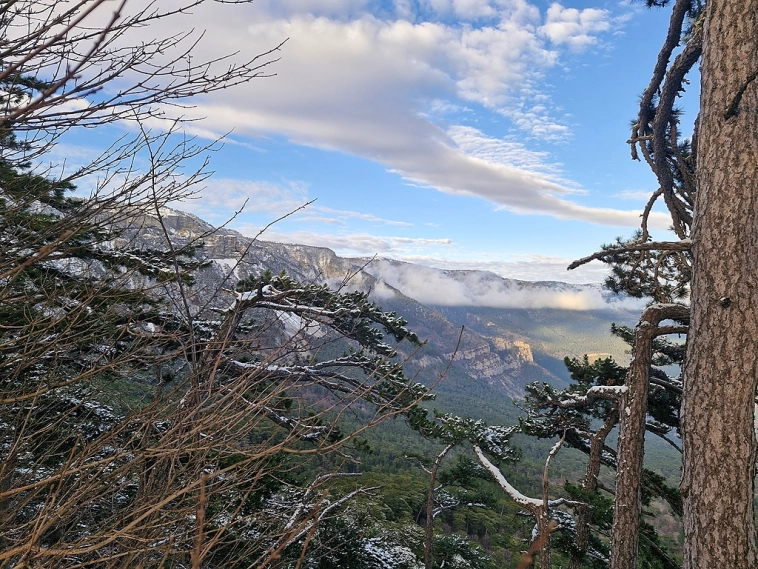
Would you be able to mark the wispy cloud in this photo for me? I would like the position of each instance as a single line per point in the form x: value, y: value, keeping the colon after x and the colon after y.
x: 633, y: 195
x: 362, y: 216
x: 223, y: 196
x: 505, y: 152
x: 352, y: 244
x: 362, y: 79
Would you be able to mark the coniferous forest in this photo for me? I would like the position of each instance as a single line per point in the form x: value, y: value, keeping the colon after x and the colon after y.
x: 159, y: 408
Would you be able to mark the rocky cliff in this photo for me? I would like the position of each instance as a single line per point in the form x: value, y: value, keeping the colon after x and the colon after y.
x: 483, y: 351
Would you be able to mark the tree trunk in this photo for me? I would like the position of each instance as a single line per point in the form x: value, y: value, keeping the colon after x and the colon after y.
x: 721, y: 369
x: 583, y: 513
x: 627, y: 506
x: 543, y: 531
x: 429, y: 526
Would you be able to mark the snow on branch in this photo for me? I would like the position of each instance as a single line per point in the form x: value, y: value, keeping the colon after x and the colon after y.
x: 530, y: 503
x: 304, y: 502
x: 306, y: 528
x: 315, y: 373
x: 385, y: 382
x: 310, y: 433
x: 572, y: 400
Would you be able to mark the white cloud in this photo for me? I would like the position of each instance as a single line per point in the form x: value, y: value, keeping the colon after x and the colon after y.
x: 471, y: 9
x: 538, y: 121
x: 576, y: 28
x: 64, y: 159
x: 339, y: 9
x: 531, y: 268
x: 634, y: 195
x: 475, y: 288
x: 351, y: 244
x: 322, y: 219
x: 503, y: 152
x: 405, y: 10
x: 362, y: 216
x: 421, y: 241
x: 357, y: 82
x: 223, y: 196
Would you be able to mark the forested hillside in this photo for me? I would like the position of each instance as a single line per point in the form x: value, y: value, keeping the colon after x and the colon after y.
x: 504, y: 347
x: 174, y: 394
x: 168, y: 262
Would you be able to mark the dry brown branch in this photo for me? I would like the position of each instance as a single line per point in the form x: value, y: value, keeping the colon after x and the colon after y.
x: 136, y: 437
x: 537, y: 545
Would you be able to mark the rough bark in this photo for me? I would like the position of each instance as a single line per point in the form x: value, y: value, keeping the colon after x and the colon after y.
x: 543, y: 531
x: 721, y: 369
x: 627, y: 506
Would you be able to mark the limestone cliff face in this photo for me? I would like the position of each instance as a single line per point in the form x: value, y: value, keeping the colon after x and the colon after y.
x: 496, y: 360
x: 485, y: 364
x: 524, y: 350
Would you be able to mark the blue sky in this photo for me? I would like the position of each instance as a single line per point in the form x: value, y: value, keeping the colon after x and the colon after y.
x: 480, y: 134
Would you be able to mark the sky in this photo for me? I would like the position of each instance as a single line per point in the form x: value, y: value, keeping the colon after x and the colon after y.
x: 461, y: 134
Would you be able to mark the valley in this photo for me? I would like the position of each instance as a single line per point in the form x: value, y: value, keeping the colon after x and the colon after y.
x: 502, y: 345
x: 485, y: 339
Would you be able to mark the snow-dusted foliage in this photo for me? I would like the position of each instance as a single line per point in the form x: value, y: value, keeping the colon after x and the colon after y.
x: 455, y: 551
x: 221, y: 403
x: 382, y: 555
x: 224, y: 402
x: 584, y: 414
x: 455, y: 430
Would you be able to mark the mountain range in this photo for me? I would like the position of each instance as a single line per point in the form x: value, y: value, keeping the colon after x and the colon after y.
x: 489, y: 336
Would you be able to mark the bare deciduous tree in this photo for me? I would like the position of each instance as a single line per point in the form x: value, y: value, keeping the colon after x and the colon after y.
x: 144, y: 422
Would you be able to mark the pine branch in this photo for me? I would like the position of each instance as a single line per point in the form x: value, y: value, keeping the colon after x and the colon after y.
x: 682, y: 245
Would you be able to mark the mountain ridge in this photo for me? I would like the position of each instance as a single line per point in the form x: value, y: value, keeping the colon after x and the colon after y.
x: 504, y: 333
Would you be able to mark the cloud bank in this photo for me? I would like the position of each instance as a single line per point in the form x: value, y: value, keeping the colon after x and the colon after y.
x: 531, y: 268
x: 476, y: 288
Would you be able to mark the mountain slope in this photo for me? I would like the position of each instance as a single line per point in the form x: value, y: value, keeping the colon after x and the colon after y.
x: 500, y: 334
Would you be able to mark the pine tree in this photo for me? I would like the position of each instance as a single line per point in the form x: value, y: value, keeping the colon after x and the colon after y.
x: 721, y: 370
x: 707, y: 184
x: 584, y: 414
